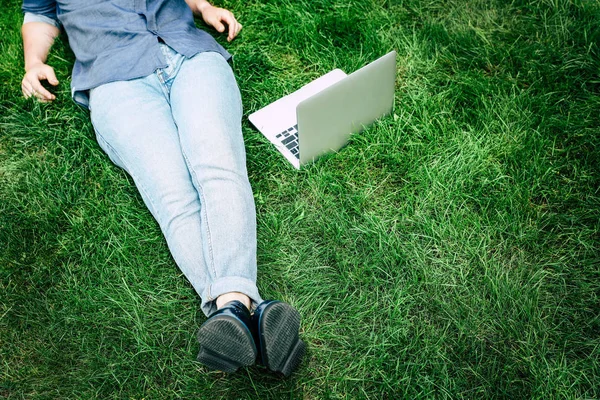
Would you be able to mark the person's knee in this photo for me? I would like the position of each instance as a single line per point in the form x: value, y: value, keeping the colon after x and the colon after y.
x: 178, y: 210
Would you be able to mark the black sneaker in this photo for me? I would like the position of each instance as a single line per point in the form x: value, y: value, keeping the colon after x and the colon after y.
x: 275, y: 325
x: 226, y: 342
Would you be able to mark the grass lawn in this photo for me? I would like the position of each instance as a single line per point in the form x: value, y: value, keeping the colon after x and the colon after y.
x: 452, y: 250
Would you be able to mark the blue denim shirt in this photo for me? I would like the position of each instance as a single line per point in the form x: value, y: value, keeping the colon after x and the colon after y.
x: 116, y: 40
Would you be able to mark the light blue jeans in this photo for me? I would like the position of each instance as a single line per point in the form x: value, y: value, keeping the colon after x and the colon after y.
x: 178, y: 134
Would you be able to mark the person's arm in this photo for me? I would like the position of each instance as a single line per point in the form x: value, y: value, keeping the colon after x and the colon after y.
x: 215, y: 17
x: 38, y: 38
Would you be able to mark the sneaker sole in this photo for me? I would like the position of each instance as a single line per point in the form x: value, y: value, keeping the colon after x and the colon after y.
x: 226, y: 344
x: 282, y: 349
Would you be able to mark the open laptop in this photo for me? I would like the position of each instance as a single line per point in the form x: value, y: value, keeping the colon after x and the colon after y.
x: 321, y: 116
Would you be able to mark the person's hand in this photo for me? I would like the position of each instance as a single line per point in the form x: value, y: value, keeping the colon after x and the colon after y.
x: 32, y: 86
x: 216, y: 17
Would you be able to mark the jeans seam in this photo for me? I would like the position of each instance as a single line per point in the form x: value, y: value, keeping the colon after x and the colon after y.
x: 204, y: 212
x: 128, y: 170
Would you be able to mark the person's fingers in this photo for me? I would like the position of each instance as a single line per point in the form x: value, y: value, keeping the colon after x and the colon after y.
x: 40, y: 92
x: 231, y: 22
x: 26, y: 89
x: 41, y: 97
x: 31, y: 84
x: 234, y: 30
x: 227, y: 17
x: 48, y: 74
x: 215, y: 21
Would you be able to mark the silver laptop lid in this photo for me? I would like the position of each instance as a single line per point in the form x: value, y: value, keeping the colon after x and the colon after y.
x: 280, y: 115
x: 327, y: 119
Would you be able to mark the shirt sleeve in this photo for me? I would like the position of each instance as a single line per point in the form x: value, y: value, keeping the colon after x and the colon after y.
x: 40, y: 11
x: 30, y: 17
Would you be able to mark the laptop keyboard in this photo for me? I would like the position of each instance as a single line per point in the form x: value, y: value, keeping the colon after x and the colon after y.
x: 289, y: 138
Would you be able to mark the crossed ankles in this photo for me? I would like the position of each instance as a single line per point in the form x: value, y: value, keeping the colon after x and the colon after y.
x: 232, y: 337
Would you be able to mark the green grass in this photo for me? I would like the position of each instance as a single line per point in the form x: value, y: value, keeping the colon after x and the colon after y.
x: 452, y: 250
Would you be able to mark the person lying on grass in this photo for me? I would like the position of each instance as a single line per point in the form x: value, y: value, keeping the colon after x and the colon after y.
x: 166, y: 108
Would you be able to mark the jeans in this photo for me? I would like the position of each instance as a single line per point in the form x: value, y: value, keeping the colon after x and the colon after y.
x: 178, y: 134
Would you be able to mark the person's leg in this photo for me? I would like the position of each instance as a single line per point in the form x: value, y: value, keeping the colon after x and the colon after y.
x: 134, y: 125
x: 207, y: 109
